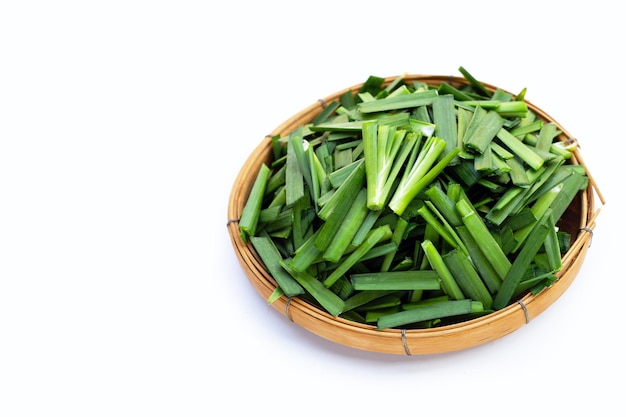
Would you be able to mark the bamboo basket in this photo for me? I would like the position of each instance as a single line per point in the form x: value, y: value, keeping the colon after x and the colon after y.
x: 578, y: 220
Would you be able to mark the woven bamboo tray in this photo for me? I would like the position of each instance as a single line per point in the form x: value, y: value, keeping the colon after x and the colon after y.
x: 578, y: 220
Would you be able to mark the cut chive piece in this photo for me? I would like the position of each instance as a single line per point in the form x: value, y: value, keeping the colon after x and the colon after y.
x: 252, y: 209
x: 385, y: 150
x: 361, y: 298
x: 298, y: 145
x: 444, y: 118
x: 399, y: 280
x: 522, y: 261
x: 551, y: 246
x: 520, y: 149
x: 366, y: 227
x: 432, y: 216
x: 546, y: 136
x: 512, y: 109
x: 294, y: 178
x: 271, y: 257
x: 478, y: 86
x: 306, y: 254
x: 444, y: 204
x: 421, y: 174
x: 445, y: 88
x: 428, y: 311
x: 483, y: 237
x: 466, y: 276
x: 392, y: 299
x: 482, y: 129
x: 327, y: 299
x: 489, y: 276
x: 375, y: 236
x: 373, y: 315
x: 334, y: 212
x: 448, y: 283
x: 398, y: 234
x: 348, y: 228
x: 405, y: 101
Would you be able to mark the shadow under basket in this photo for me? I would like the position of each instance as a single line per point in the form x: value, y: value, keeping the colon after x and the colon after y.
x: 578, y: 221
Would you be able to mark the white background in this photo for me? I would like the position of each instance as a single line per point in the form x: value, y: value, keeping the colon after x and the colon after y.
x: 123, y: 125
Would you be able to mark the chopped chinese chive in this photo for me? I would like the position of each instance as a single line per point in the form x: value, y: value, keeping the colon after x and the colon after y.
x: 551, y: 246
x: 565, y: 241
x: 421, y: 174
x: 294, y: 178
x: 430, y: 300
x: 372, y: 315
x: 446, y: 88
x: 405, y: 101
x: 318, y: 176
x: 337, y: 177
x: 437, y: 225
x: 342, y: 157
x: 326, y: 112
x: 299, y: 225
x: 534, y: 283
x: 361, y: 298
x: 325, y: 297
x: 420, y: 260
x: 398, y: 234
x: 275, y: 295
x: 269, y: 214
x: 512, y: 109
x: 444, y: 118
x: 500, y: 151
x: 466, y: 276
x: 380, y: 250
x: 398, y: 280
x: 252, y: 209
x: 385, y: 150
x: 518, y: 173
x: 522, y: 261
x: 393, y: 299
x: 546, y: 136
x: 306, y: 254
x: 425, y: 312
x: 483, y: 162
x: 366, y: 227
x: 523, y: 129
x: 334, y: 212
x: 520, y: 149
x: 448, y: 283
x: 482, y: 129
x: 482, y: 264
x: 342, y: 287
x: 540, y: 206
x: 501, y: 95
x: 374, y: 237
x: 466, y: 173
x: 477, y: 85
x: 276, y: 180
x: 520, y: 219
x: 444, y: 204
x: 348, y: 228
x: 488, y: 245
x: 271, y: 257
x: 571, y: 186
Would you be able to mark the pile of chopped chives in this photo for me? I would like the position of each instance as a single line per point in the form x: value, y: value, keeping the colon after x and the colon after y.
x: 412, y: 205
